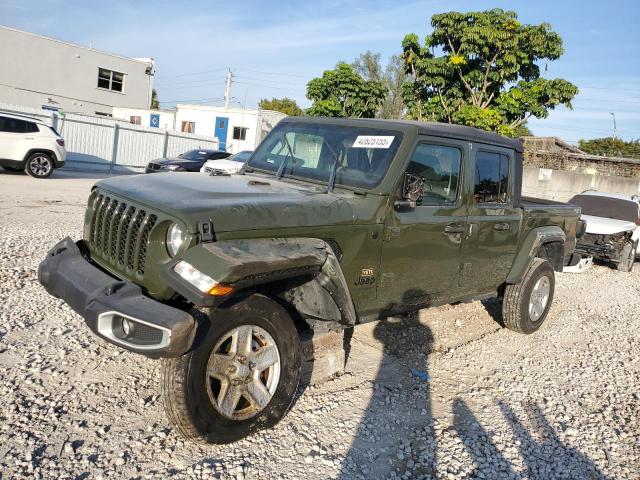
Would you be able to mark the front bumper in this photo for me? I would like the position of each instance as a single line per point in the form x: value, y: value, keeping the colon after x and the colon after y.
x: 155, y: 329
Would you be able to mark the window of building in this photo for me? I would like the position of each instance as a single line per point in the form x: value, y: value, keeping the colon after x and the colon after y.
x: 492, y: 178
x: 188, y: 127
x: 439, y: 167
x: 110, y: 80
x: 135, y: 119
x: 103, y: 114
x: 240, y: 133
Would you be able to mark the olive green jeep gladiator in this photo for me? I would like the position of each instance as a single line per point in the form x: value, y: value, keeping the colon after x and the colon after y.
x: 330, y: 224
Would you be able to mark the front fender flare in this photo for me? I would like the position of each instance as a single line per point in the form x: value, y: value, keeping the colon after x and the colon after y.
x: 253, y: 262
x: 528, y: 249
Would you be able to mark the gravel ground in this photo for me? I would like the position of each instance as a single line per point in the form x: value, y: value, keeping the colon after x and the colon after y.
x: 562, y: 403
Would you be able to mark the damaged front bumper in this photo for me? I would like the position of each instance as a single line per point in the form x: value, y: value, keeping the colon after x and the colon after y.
x: 605, y: 247
x: 116, y: 310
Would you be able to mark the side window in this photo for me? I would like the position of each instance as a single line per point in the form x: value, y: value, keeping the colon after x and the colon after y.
x: 492, y: 178
x: 32, y: 127
x: 439, y: 167
x: 3, y: 124
x: 14, y: 125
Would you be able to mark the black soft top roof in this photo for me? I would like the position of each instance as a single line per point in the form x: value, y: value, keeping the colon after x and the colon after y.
x: 435, y: 129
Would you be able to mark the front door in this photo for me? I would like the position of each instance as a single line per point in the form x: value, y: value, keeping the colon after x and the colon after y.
x: 490, y: 242
x: 222, y: 125
x: 422, y: 247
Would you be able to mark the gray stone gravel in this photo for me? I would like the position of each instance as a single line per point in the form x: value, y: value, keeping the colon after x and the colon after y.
x: 562, y: 403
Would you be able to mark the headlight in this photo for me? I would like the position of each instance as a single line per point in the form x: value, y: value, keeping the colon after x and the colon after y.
x: 175, y: 239
x: 172, y: 168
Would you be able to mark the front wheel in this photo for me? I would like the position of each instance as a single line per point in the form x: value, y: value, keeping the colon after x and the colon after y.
x: 241, y: 378
x: 627, y: 258
x: 39, y: 165
x: 526, y: 304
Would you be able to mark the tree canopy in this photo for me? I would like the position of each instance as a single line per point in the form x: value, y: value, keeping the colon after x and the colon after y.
x: 342, y: 92
x: 482, y: 69
x: 155, y: 104
x: 284, y: 105
x: 613, y: 147
x: 369, y: 66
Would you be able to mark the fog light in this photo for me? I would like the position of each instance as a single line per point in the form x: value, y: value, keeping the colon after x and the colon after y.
x: 127, y: 327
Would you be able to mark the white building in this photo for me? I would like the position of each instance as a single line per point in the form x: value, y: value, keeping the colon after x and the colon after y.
x: 236, y: 129
x: 37, y: 72
x: 147, y: 118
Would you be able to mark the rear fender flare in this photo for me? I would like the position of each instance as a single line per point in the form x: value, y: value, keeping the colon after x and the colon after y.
x: 530, y: 247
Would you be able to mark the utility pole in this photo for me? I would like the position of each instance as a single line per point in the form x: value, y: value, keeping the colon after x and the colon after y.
x: 614, y: 124
x: 227, y: 92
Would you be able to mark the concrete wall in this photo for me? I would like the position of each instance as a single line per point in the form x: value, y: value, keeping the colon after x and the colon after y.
x: 36, y: 71
x: 562, y: 185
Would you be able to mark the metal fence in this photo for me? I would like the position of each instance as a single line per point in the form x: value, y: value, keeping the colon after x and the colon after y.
x: 106, y: 144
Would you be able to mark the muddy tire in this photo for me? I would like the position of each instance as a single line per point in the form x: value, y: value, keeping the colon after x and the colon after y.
x: 242, y: 376
x: 526, y: 304
x: 627, y: 258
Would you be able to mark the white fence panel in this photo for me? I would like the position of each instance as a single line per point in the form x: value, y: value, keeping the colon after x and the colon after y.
x: 178, y: 143
x: 136, y: 148
x: 103, y: 143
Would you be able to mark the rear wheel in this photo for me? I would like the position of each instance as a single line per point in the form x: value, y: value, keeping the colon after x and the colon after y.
x: 241, y: 378
x: 39, y: 165
x: 526, y: 304
x: 627, y: 257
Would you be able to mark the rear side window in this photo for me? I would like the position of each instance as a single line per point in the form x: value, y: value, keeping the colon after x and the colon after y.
x: 15, y: 125
x: 492, y: 178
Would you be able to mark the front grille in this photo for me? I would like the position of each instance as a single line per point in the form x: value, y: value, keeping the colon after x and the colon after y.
x: 119, y: 233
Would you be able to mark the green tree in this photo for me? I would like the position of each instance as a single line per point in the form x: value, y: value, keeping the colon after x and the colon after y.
x: 482, y: 69
x: 284, y: 105
x: 369, y: 66
x: 341, y: 92
x: 613, y: 147
x: 155, y: 105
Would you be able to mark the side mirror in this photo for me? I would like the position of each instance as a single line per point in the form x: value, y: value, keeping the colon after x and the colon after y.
x: 412, y: 190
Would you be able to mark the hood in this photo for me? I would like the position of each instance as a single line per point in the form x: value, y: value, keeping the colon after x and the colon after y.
x: 228, y: 165
x: 177, y: 161
x: 244, y: 202
x: 607, y: 226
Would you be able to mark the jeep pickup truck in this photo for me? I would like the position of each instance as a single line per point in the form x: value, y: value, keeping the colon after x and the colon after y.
x: 330, y: 224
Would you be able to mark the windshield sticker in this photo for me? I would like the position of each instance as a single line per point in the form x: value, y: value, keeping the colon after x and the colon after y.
x: 373, y: 141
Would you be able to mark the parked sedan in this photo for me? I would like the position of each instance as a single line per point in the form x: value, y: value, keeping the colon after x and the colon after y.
x: 190, y: 161
x: 226, y: 166
x: 613, y: 227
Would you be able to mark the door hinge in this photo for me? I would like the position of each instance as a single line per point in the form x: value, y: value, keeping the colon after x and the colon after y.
x: 391, y: 233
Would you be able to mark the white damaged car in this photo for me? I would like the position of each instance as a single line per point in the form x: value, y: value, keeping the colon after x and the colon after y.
x: 613, y: 227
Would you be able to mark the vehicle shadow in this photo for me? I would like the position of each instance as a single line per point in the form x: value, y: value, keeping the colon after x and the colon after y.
x: 397, y: 421
x: 541, y: 451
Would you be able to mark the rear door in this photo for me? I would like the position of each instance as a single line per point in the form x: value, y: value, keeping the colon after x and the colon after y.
x: 422, y: 247
x: 16, y: 137
x: 491, y: 236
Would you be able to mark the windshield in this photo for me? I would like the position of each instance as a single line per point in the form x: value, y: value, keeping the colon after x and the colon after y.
x: 359, y: 155
x: 240, y: 157
x: 607, y: 207
x: 195, y: 155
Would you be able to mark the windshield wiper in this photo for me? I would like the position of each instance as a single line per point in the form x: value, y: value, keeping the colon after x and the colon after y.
x: 283, y: 165
x: 332, y: 178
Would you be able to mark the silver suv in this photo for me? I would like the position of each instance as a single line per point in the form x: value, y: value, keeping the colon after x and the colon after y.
x: 29, y: 144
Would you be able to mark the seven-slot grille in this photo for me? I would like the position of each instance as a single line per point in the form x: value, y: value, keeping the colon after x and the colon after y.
x: 119, y: 233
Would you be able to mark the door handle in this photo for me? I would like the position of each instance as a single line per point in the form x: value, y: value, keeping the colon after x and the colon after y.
x: 453, y: 228
x: 501, y: 227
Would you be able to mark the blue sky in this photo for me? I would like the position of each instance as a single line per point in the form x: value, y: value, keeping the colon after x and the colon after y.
x: 274, y: 48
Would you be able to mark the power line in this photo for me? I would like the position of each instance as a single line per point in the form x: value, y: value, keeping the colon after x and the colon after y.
x: 195, y: 100
x: 191, y: 73
x: 189, y: 82
x: 278, y: 82
x: 281, y: 74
